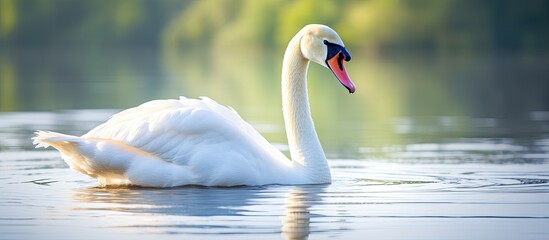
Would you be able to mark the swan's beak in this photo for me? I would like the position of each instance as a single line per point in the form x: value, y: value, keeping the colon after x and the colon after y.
x: 336, y: 65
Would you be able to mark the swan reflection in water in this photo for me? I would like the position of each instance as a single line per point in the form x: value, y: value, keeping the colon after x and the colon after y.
x: 296, y: 219
x: 202, y: 210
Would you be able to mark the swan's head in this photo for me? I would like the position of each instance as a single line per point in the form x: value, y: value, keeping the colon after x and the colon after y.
x: 322, y: 45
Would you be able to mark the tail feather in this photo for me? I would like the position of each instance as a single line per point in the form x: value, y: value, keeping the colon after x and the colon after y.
x: 46, y: 138
x: 67, y: 145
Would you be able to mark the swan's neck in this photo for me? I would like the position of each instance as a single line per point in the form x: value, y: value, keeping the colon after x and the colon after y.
x: 305, y: 148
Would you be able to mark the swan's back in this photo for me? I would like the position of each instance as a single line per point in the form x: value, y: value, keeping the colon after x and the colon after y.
x: 173, y: 129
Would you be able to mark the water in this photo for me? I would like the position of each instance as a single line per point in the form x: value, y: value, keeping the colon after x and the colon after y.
x: 448, y: 188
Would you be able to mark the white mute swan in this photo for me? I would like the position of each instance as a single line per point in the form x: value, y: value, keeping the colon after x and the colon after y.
x: 166, y: 143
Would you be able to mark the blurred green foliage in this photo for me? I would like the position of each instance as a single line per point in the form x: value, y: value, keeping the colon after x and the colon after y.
x: 370, y: 25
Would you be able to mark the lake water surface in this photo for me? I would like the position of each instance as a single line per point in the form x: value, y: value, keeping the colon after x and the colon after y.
x: 450, y: 188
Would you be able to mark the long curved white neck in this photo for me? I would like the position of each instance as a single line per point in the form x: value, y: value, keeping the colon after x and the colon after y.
x: 305, y: 148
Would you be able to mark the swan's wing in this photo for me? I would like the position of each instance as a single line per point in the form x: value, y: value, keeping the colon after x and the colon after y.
x: 184, y: 130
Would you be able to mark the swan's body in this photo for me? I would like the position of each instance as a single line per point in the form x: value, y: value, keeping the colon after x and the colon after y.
x: 166, y: 143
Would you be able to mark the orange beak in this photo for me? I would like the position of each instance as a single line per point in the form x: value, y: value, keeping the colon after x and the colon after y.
x: 336, y: 65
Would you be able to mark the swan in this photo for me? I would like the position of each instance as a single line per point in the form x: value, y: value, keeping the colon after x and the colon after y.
x: 167, y: 143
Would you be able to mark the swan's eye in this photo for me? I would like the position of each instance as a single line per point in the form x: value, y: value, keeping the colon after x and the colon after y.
x: 326, y: 42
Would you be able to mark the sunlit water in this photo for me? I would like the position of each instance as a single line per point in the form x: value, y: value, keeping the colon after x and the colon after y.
x: 462, y: 188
